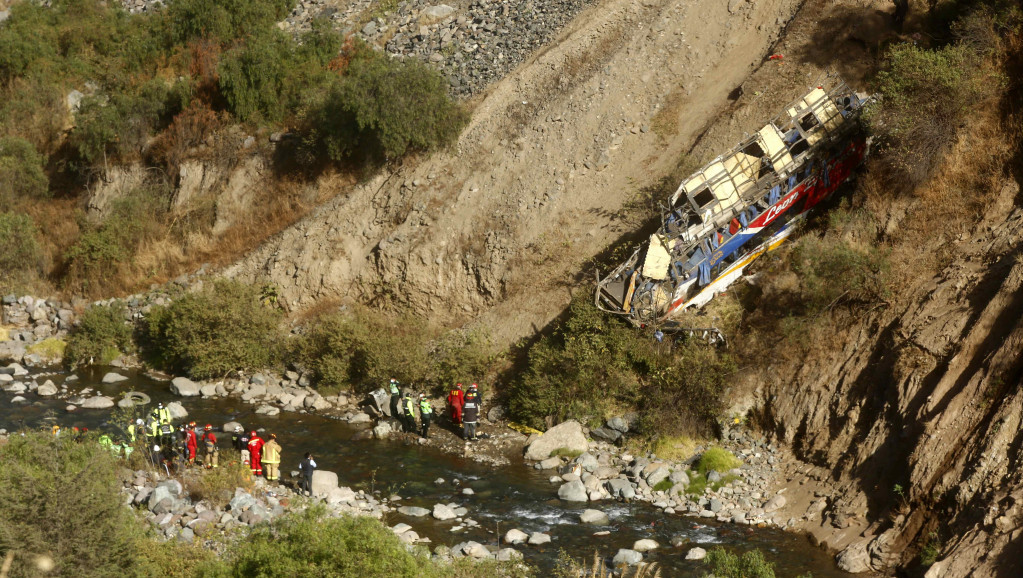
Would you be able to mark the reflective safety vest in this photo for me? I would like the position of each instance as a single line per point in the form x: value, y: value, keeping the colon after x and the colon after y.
x: 409, y: 408
x: 166, y: 429
x: 394, y: 388
x: 105, y: 441
x: 131, y: 432
x: 425, y: 408
x: 154, y: 427
x: 163, y: 415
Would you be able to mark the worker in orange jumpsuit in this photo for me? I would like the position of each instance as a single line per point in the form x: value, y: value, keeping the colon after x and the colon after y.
x: 456, y: 399
x: 191, y: 442
x: 255, y: 449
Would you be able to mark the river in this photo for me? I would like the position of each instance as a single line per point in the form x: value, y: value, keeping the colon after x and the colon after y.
x: 506, y: 497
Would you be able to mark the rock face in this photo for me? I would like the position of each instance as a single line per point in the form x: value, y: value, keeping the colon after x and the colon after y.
x: 567, y: 435
x: 184, y: 387
x: 855, y: 559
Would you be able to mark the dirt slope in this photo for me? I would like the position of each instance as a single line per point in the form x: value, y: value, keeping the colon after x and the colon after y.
x: 496, y: 228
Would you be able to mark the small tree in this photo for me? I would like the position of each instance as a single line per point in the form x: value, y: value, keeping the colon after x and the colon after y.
x: 752, y: 564
x: 20, y: 255
x: 21, y: 171
x: 100, y: 337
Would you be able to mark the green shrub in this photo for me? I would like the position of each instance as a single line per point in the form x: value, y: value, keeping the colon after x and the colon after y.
x: 21, y: 171
x: 309, y: 543
x: 61, y: 500
x: 217, y: 486
x: 224, y: 19
x: 222, y: 329
x: 382, y: 108
x: 830, y: 270
x: 663, y: 485
x: 926, y: 99
x: 685, y: 392
x: 718, y: 460
x: 254, y: 78
x: 725, y: 564
x: 101, y: 336
x: 20, y: 255
x: 118, y: 125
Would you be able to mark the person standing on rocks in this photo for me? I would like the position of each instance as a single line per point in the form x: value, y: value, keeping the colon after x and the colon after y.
x: 255, y: 451
x: 307, y: 467
x: 211, y: 453
x: 471, y: 412
x: 410, y: 414
x: 135, y: 430
x: 395, y: 399
x: 425, y: 415
x: 162, y: 414
x: 241, y: 443
x: 191, y: 442
x: 166, y: 435
x: 272, y: 458
x: 456, y: 399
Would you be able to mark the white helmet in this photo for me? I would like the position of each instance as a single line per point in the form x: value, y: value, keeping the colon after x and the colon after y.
x: 138, y: 421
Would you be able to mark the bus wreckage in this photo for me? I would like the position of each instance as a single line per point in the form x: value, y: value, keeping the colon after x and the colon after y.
x: 739, y: 206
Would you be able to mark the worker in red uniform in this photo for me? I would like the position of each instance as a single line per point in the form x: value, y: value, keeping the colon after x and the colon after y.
x: 456, y: 399
x: 191, y: 442
x: 255, y: 449
x: 211, y: 453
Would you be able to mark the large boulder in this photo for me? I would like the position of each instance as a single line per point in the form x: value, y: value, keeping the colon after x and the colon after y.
x: 231, y: 426
x: 594, y: 517
x: 382, y: 430
x: 98, y: 402
x: 13, y: 351
x: 566, y: 435
x: 573, y: 491
x: 696, y: 554
x: 855, y: 559
x: 414, y: 511
x: 114, y: 378
x: 184, y: 387
x: 774, y: 504
x: 620, y: 488
x: 443, y: 512
x: 177, y: 411
x: 626, y: 557
x: 323, y: 482
x: 515, y: 536
x: 539, y: 539
x: 645, y: 545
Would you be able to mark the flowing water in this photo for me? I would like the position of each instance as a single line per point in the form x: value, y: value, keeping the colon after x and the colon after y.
x: 506, y: 497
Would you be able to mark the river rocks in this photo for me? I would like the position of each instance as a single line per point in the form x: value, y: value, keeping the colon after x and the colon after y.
x: 414, y: 511
x: 645, y: 545
x: 443, y: 512
x: 359, y: 418
x: 679, y: 478
x: 98, y: 402
x: 566, y: 435
x: 15, y: 387
x: 619, y: 424
x: 12, y: 351
x: 268, y: 410
x: 550, y: 463
x: 231, y: 427
x: 696, y: 554
x: 539, y: 539
x: 715, y: 505
x: 515, y: 536
x: 473, y: 550
x: 508, y: 554
x: 323, y: 482
x: 855, y: 558
x: 382, y: 430
x: 209, y: 390
x: 606, y: 434
x: 587, y: 462
x: 619, y: 488
x: 656, y: 473
x: 184, y: 387
x: 627, y: 557
x: 573, y: 492
x: 774, y: 503
x: 15, y: 370
x: 112, y: 377
x: 177, y: 411
x: 594, y: 517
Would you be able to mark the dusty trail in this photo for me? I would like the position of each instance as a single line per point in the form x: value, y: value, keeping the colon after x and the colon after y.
x: 497, y: 228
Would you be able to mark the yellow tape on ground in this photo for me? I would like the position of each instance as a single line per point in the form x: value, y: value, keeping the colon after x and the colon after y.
x: 524, y: 429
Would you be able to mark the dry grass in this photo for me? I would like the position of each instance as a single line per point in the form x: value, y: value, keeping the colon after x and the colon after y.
x: 218, y: 486
x: 665, y: 121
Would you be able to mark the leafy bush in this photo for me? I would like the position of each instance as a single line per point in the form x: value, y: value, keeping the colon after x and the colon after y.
x: 308, y: 543
x: 685, y: 392
x: 61, y: 501
x: 21, y: 171
x: 382, y: 108
x: 217, y: 486
x: 211, y: 333
x: 255, y: 77
x: 224, y: 20
x: 830, y: 270
x: 20, y: 255
x: 718, y: 460
x: 926, y: 98
x: 118, y: 126
x: 101, y: 336
x: 51, y: 349
x: 752, y: 564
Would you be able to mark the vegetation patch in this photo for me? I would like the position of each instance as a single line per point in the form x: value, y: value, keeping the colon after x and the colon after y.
x: 20, y: 254
x: 717, y: 459
x: 566, y: 452
x: 222, y: 329
x: 50, y: 349
x: 725, y: 564
x: 102, y: 336
x: 217, y: 486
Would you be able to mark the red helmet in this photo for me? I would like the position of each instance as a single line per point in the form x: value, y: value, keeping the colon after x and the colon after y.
x: 252, y: 433
x: 208, y: 427
x: 458, y: 385
x: 473, y: 386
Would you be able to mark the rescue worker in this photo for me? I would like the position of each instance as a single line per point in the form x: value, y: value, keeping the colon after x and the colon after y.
x: 272, y: 458
x: 166, y: 435
x: 107, y: 443
x: 307, y: 467
x: 241, y: 443
x: 410, y: 413
x: 255, y: 449
x: 162, y: 414
x: 191, y: 442
x: 158, y: 459
x: 471, y: 412
x: 211, y: 453
x: 425, y: 415
x: 153, y: 427
x: 456, y: 399
x: 136, y: 429
x: 125, y: 448
x: 395, y: 398
x: 181, y: 448
x: 55, y: 430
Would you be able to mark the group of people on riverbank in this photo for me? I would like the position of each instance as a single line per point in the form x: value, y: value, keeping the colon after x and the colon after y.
x: 463, y: 408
